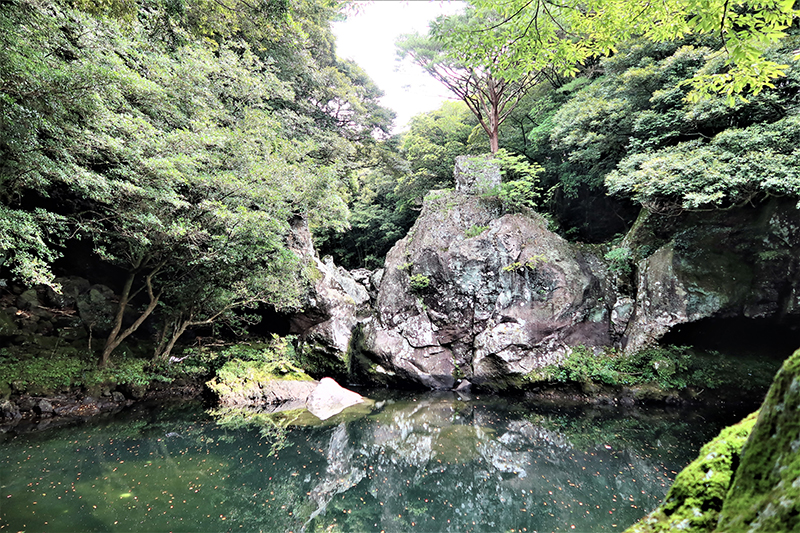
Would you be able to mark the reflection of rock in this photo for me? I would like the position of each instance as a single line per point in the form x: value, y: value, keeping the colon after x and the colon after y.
x: 341, y: 473
x: 483, y: 463
x: 329, y: 398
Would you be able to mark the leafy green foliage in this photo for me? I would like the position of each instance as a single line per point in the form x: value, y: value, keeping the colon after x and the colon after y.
x: 474, y: 231
x: 736, y: 167
x: 531, y: 263
x: 620, y: 260
x: 179, y: 140
x: 673, y: 367
x: 64, y: 368
x: 519, y: 189
x: 419, y: 283
x: 564, y: 35
x: 384, y: 200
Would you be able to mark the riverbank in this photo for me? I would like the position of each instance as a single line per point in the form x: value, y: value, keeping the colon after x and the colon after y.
x: 42, y: 391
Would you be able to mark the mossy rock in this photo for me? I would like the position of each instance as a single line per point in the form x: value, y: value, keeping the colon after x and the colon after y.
x: 8, y: 327
x: 695, y: 500
x: 766, y: 493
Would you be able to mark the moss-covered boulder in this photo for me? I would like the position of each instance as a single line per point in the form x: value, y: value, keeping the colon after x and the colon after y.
x: 694, y: 501
x: 746, y: 479
x: 765, y: 495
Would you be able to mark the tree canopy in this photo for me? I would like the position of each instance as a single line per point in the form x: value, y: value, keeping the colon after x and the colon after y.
x: 486, y: 85
x: 566, y: 35
x: 180, y: 156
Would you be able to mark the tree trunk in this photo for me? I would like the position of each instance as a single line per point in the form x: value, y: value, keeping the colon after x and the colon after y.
x: 116, y: 336
x: 494, y: 116
x: 176, y: 334
x: 494, y: 142
x: 123, y: 304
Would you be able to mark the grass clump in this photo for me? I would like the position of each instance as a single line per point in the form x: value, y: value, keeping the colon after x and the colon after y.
x: 63, y: 369
x: 419, y: 283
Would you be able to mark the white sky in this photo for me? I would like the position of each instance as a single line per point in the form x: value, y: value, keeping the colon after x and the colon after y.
x: 367, y: 37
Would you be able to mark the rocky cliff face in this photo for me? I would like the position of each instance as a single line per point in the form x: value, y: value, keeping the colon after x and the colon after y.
x: 471, y: 294
x: 334, y: 304
x: 740, y: 263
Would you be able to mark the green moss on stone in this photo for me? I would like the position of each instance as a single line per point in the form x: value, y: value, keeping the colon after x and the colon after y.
x: 695, y: 500
x: 766, y: 493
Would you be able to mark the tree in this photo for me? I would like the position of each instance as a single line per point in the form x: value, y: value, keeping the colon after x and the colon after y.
x: 483, y: 82
x: 386, y: 194
x: 565, y: 35
x: 180, y: 161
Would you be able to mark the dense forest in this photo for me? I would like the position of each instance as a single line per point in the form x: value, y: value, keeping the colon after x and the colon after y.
x: 181, y: 172
x: 167, y: 145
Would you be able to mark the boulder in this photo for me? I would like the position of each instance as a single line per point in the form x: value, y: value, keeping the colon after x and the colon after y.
x: 471, y: 294
x: 9, y: 411
x: 476, y: 174
x: 97, y: 307
x: 765, y: 494
x: 329, y: 399
x: 44, y: 408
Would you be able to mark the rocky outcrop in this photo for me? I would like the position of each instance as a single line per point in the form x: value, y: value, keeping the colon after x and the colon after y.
x: 334, y: 303
x: 472, y: 294
x: 741, y: 263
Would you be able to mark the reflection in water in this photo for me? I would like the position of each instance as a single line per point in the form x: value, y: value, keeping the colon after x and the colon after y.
x: 426, y: 463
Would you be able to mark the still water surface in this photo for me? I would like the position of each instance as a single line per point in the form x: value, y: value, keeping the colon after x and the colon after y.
x: 427, y: 462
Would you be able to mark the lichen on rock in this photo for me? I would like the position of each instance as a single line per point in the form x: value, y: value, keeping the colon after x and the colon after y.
x: 496, y: 305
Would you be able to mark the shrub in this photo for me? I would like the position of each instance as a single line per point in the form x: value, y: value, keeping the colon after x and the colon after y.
x: 474, y: 231
x: 671, y: 367
x: 419, y: 283
x: 620, y: 260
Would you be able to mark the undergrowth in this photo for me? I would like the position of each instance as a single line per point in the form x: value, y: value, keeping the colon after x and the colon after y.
x: 46, y: 372
x: 670, y: 367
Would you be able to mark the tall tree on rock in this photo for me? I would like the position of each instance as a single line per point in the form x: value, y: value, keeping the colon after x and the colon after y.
x: 488, y: 83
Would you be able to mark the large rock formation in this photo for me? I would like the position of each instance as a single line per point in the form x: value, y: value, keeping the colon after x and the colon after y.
x: 740, y: 263
x: 471, y: 294
x: 334, y: 304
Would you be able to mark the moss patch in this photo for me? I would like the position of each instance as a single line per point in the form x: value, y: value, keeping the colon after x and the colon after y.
x: 694, y: 501
x: 766, y: 494
x: 244, y: 379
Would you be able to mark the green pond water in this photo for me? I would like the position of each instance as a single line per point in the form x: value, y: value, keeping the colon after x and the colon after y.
x: 425, y: 462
